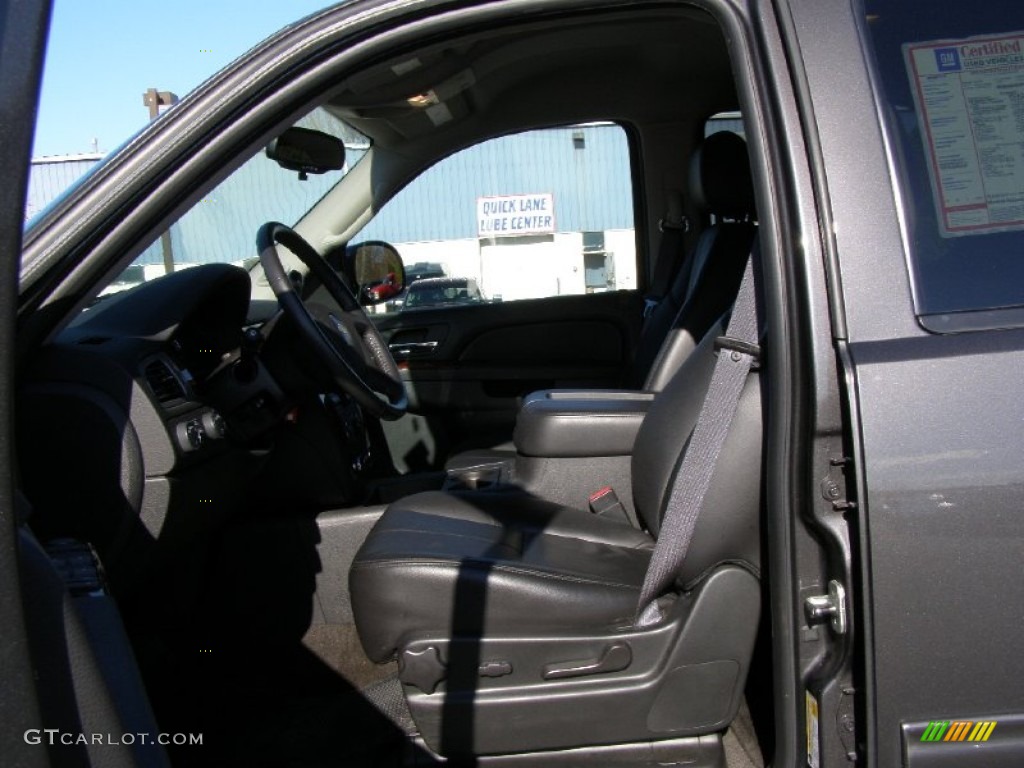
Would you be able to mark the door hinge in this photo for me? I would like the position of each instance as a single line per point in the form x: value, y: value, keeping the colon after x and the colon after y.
x: 833, y: 489
x: 846, y: 723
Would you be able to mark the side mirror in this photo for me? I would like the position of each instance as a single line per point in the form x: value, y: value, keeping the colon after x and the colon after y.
x: 377, y: 271
x: 307, y: 151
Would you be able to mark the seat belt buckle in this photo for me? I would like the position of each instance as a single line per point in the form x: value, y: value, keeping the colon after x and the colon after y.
x: 605, y: 503
x: 78, y: 566
x: 649, y: 306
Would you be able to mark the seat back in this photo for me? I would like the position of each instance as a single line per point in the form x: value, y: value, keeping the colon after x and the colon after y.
x: 720, y: 184
x: 728, y: 529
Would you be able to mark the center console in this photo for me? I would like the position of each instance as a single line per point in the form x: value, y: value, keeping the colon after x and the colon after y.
x: 568, y: 444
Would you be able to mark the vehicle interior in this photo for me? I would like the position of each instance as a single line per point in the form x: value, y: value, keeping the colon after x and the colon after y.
x: 335, y: 537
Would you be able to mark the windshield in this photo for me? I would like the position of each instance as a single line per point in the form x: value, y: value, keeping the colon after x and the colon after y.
x: 221, y: 227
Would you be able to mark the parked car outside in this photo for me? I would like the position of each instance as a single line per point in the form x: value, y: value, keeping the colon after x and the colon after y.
x: 442, y: 292
x: 418, y: 271
x: 422, y: 270
x: 383, y: 290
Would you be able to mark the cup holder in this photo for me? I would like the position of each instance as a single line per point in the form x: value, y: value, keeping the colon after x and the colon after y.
x: 479, y: 478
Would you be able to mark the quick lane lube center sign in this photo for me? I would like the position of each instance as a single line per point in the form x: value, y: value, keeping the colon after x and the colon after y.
x: 511, y: 215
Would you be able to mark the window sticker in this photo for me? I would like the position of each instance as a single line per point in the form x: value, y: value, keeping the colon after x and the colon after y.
x: 970, y: 103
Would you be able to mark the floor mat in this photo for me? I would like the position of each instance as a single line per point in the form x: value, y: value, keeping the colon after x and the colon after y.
x: 338, y: 646
x: 389, y: 699
x: 740, y: 742
x: 283, y: 706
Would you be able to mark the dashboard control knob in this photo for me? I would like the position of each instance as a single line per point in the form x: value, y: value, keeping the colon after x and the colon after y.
x: 190, y: 434
x: 195, y: 433
x: 214, y: 425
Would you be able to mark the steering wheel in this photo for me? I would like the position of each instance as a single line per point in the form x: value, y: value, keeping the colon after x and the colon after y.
x: 349, y: 345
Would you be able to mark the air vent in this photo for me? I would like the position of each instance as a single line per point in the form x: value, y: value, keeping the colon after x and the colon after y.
x: 165, y: 385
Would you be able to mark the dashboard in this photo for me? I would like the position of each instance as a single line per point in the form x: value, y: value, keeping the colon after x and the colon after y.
x: 140, y: 424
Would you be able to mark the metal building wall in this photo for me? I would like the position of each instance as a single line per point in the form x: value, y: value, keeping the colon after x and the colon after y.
x: 50, y: 177
x: 221, y: 227
x: 585, y: 168
x: 590, y: 183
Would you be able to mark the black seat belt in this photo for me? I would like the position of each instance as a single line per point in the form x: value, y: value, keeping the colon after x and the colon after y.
x: 670, y: 252
x: 739, y: 349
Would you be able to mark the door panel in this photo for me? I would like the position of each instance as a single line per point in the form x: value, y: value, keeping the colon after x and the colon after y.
x: 467, y: 367
x: 501, y: 241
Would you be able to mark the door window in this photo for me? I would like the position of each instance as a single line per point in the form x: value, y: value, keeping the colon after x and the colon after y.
x: 532, y: 215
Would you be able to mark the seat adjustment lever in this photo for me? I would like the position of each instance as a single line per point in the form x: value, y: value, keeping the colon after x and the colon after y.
x: 616, y: 657
x: 423, y: 669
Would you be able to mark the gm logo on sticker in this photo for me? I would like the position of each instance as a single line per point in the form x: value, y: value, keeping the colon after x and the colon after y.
x: 948, y: 59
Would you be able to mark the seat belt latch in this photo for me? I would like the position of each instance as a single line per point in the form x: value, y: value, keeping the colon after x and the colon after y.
x: 605, y: 503
x: 649, y: 306
x: 79, y: 567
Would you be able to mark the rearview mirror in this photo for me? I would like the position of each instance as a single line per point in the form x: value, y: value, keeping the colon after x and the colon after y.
x: 376, y: 269
x: 307, y: 151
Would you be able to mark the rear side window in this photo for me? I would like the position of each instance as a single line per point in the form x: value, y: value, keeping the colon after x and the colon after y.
x: 951, y: 80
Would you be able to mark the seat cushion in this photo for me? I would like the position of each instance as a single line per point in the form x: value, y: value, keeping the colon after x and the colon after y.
x: 448, y: 564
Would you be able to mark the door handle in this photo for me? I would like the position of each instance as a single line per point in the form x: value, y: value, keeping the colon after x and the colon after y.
x: 407, y: 348
x: 616, y: 657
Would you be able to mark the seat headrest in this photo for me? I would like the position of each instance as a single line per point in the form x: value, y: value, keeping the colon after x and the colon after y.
x: 720, y: 180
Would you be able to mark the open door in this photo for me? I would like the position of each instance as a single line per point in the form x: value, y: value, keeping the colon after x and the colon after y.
x: 69, y: 671
x: 23, y: 30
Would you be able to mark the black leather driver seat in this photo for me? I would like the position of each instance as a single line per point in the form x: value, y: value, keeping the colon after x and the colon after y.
x: 721, y: 187
x: 520, y: 610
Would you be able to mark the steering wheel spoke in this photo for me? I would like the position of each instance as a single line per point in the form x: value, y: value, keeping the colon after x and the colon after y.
x: 346, y: 343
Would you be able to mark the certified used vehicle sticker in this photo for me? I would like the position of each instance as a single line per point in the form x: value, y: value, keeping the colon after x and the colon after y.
x: 969, y: 94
